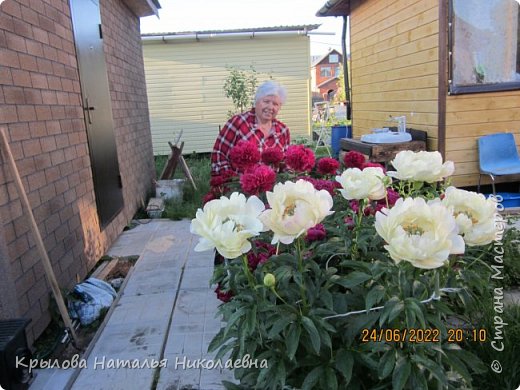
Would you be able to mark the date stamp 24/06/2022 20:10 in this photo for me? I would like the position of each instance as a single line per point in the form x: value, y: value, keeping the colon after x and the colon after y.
x: 427, y: 335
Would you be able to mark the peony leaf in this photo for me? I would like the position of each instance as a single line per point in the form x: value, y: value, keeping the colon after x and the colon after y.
x: 353, y: 279
x: 402, y: 371
x: 344, y: 364
x: 387, y: 363
x: 292, y: 340
x: 313, y: 333
x: 374, y: 296
x: 312, y: 378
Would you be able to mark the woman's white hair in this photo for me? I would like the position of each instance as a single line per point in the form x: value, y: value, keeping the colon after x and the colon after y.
x: 271, y: 87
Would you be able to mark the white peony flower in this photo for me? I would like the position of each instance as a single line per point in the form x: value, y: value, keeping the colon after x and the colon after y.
x: 475, y: 215
x: 362, y: 184
x: 424, y: 234
x: 295, y: 208
x: 420, y: 166
x: 227, y: 224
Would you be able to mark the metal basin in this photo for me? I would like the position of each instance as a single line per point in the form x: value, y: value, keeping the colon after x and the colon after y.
x: 386, y: 138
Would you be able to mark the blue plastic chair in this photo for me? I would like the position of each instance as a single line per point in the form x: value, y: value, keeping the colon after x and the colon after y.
x: 498, y: 156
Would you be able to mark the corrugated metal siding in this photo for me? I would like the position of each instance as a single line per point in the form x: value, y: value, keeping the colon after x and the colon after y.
x: 394, y: 62
x: 185, y: 84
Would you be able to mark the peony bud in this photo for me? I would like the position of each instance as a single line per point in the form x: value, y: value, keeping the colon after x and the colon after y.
x: 269, y: 280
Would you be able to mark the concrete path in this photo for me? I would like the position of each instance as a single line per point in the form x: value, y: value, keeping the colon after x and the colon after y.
x: 165, y: 317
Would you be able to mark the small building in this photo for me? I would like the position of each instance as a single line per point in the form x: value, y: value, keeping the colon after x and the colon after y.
x: 451, y: 66
x: 325, y: 74
x: 185, y: 74
x: 73, y: 105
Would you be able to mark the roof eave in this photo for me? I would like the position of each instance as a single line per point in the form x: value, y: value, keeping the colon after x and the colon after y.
x: 335, y: 8
x: 142, y: 8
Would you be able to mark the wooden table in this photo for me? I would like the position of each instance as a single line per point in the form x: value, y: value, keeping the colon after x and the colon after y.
x: 384, y: 153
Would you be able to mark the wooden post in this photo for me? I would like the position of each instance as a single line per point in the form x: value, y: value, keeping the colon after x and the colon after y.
x: 37, y: 237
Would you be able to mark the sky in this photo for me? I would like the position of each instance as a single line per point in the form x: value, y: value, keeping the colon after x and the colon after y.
x: 198, y: 15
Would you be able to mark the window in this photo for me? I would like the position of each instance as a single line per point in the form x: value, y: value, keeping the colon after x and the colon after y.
x: 336, y: 71
x: 333, y: 58
x: 484, y: 43
x: 325, y: 71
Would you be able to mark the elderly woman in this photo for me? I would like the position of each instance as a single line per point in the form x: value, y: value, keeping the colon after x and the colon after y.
x: 259, y: 125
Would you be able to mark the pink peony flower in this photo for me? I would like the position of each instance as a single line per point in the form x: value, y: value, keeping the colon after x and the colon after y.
x: 327, y: 166
x: 316, y: 233
x: 354, y: 159
x: 272, y: 156
x: 260, y: 178
x: 299, y: 158
x: 244, y: 155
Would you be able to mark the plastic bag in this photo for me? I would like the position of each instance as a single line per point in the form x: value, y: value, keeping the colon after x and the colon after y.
x: 89, y: 298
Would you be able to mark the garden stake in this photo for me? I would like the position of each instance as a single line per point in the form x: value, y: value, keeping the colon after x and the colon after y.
x: 37, y: 237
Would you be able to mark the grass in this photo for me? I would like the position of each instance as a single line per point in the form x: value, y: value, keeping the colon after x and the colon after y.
x: 200, y: 168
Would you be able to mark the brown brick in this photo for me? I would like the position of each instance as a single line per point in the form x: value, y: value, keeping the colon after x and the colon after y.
x: 21, y: 77
x: 49, y: 97
x: 42, y: 161
x: 13, y: 95
x: 26, y: 113
x: 63, y: 98
x: 18, y: 247
x: 12, y: 8
x: 37, y: 129
x: 46, y: 24
x: 8, y: 114
x: 36, y: 180
x: 29, y: 15
x: 52, y: 174
x: 55, y: 41
x: 31, y: 147
x: 51, y: 53
x: 34, y: 48
x: 15, y: 42
x: 43, y: 113
x: 21, y: 27
x: 58, y: 70
x: 38, y: 289
x: 61, y: 185
x: 41, y: 35
x: 33, y: 96
x: 58, y: 112
x: 57, y: 157
x: 9, y: 58
x: 52, y: 223
x: 48, y: 144
x: 29, y: 259
x: 54, y: 83
x: 44, y: 66
x: 19, y: 131
x: 47, y: 192
x: 39, y: 81
x: 5, y: 76
x: 28, y: 62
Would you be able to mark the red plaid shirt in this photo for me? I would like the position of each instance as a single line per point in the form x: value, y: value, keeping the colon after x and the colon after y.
x: 243, y: 127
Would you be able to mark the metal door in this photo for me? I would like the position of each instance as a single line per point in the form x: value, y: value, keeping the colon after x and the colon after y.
x: 88, y: 36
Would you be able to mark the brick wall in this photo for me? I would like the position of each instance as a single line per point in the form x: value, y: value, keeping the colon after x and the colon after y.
x: 40, y: 106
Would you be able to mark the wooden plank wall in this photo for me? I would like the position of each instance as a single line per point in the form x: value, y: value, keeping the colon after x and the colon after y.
x: 185, y: 84
x: 471, y: 116
x: 394, y: 57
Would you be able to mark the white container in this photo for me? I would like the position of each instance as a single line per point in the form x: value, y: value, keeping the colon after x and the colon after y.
x: 169, y: 189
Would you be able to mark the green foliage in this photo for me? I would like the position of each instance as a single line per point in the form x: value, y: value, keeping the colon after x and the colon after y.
x: 240, y: 86
x: 395, y: 335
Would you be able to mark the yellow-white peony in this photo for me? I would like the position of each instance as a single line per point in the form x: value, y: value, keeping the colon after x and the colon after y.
x: 227, y: 224
x: 475, y: 215
x: 295, y: 208
x: 362, y: 184
x: 424, y: 234
x: 420, y: 166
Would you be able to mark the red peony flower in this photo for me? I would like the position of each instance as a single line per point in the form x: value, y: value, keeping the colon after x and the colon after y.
x: 224, y: 296
x: 392, y: 196
x: 264, y: 252
x: 221, y: 179
x: 316, y: 233
x: 327, y: 166
x: 373, y: 165
x: 244, y: 155
x: 299, y: 158
x: 260, y: 178
x: 272, y: 156
x: 354, y: 159
x: 209, y: 196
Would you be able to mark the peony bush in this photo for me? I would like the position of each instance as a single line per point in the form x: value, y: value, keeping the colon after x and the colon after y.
x: 348, y: 277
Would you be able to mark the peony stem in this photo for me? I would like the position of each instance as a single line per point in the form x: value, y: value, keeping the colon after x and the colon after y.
x: 248, y: 272
x: 300, y: 269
